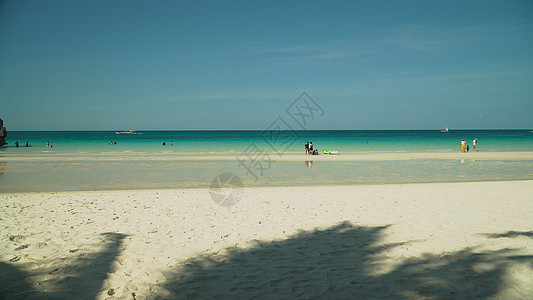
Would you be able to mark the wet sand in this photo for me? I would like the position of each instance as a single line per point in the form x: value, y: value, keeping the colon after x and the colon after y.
x: 372, y: 156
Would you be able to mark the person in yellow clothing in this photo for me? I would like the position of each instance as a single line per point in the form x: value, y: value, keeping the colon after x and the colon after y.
x: 463, y: 145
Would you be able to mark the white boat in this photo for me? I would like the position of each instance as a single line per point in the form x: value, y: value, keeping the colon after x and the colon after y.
x: 131, y: 131
x: 445, y: 130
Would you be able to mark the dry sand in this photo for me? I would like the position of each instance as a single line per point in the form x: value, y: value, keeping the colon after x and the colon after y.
x: 415, y: 241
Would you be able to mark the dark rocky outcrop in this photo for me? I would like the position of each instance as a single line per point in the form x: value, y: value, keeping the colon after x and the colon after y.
x: 3, y: 133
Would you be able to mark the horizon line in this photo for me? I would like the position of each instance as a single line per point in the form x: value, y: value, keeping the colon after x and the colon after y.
x: 218, y: 130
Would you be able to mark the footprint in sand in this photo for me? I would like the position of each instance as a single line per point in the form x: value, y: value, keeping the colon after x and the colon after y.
x: 22, y: 247
x: 17, y: 238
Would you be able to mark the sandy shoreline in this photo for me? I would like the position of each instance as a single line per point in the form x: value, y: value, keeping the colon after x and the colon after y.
x: 443, y: 240
x: 375, y: 156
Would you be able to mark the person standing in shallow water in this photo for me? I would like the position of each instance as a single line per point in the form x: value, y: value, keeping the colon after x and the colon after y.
x: 463, y: 146
x: 307, y: 148
x: 474, y: 145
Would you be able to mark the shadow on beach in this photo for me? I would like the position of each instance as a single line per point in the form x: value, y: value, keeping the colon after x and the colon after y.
x: 81, y: 275
x: 339, y: 263
x: 342, y: 262
x: 510, y: 234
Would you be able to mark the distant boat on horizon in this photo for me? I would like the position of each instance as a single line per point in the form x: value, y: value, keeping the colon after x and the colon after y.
x: 445, y: 130
x: 131, y: 131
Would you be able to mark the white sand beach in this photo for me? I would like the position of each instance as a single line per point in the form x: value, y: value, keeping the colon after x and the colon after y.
x: 413, y: 241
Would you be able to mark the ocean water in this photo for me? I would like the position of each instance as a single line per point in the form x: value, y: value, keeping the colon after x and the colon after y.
x: 86, y: 161
x: 230, y: 142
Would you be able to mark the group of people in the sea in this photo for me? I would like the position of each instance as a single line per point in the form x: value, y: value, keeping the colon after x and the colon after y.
x: 17, y: 144
x: 309, y: 149
x: 466, y: 148
x: 29, y: 145
x: 48, y: 145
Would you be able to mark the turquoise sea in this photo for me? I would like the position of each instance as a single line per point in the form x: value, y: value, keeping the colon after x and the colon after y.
x: 85, y: 160
x: 230, y: 142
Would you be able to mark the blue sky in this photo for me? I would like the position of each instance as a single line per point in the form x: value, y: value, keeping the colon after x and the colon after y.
x: 106, y: 65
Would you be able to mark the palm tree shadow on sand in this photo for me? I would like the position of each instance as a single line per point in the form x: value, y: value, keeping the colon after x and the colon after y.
x: 510, y: 234
x: 339, y: 263
x: 81, y: 276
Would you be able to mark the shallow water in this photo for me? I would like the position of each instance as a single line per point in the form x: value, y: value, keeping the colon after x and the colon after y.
x: 121, y: 166
x: 111, y: 175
